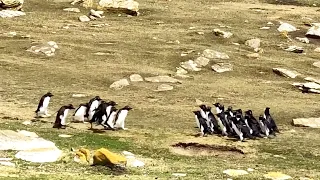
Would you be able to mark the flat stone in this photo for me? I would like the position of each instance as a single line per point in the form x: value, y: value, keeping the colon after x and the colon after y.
x: 164, y: 87
x: 136, y: 78
x: 286, y: 27
x: 65, y: 135
x: 11, y: 13
x: 317, y: 49
x: 253, y: 55
x: 26, y: 123
x: 311, y: 85
x: 314, y: 31
x: 235, y: 172
x: 28, y: 134
x: 179, y: 174
x: 316, y: 64
x: 277, y: 176
x: 303, y: 40
x: 180, y: 70
x: 5, y: 163
x: 222, y: 67
x: 162, y: 79
x: 127, y: 6
x: 286, y: 73
x: 84, y: 18
x: 212, y: 54
x: 127, y: 153
x: 190, y: 65
x: 223, y: 34
x: 76, y: 10
x: 40, y: 155
x: 48, y: 48
x: 311, y: 79
x: 307, y: 122
x: 253, y: 43
x: 265, y: 28
x: 295, y: 49
x: 120, y: 84
x: 79, y: 95
x: 202, y: 61
x: 97, y: 14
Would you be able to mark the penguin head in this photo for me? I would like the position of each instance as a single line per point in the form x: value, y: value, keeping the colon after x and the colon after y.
x: 113, y: 109
x: 249, y: 112
x: 261, y: 117
x: 203, y: 107
x: 127, y: 108
x: 208, y: 108
x: 97, y: 98
x: 112, y: 103
x: 217, y: 104
x: 229, y: 108
x: 239, y: 111
x: 49, y: 94
x: 196, y: 112
x: 267, y: 111
x: 70, y: 106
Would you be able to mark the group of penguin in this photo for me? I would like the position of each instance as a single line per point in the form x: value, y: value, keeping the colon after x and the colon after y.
x: 95, y: 111
x: 233, y: 123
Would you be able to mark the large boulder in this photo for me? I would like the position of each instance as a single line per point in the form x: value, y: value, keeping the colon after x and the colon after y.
x: 11, y: 4
x: 107, y: 158
x: 128, y: 6
x: 307, y: 122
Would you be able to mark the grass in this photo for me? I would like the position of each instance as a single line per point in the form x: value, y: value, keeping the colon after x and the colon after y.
x: 160, y: 119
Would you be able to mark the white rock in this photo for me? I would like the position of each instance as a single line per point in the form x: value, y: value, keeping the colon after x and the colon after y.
x: 311, y: 79
x: 11, y: 13
x: 295, y: 49
x: 137, y: 163
x: 311, y: 85
x: 212, y: 54
x: 136, y: 78
x: 265, y: 28
x: 179, y: 174
x: 65, y: 135
x: 202, y: 61
x: 28, y: 133
x: 316, y: 64
x: 286, y: 73
x: 77, y: 10
x: 162, y: 79
x: 120, y: 4
x: 84, y: 18
x: 40, y: 155
x: 97, y: 14
x: 253, y: 43
x: 190, y: 65
x: 314, y: 31
x: 286, y: 27
x: 223, y: 34
x: 270, y: 23
x: 253, y: 55
x: 222, y: 67
x: 127, y: 153
x: 304, y: 40
x: 317, y: 49
x: 277, y: 176
x: 250, y: 170
x: 79, y: 95
x: 164, y: 87
x: 180, y: 70
x: 235, y: 172
x: 26, y: 123
x: 5, y: 163
x: 120, y: 84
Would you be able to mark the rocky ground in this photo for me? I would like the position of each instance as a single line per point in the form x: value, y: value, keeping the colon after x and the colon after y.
x: 164, y: 62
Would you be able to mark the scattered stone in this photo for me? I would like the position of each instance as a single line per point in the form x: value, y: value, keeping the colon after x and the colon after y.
x: 5, y: 163
x: 202, y: 61
x: 11, y: 4
x: 222, y: 67
x: 223, y: 34
x: 179, y: 174
x: 136, y: 78
x: 314, y: 31
x: 304, y: 40
x: 286, y: 27
x: 137, y: 163
x: 180, y: 70
x: 97, y: 14
x: 164, y: 87
x: 76, y: 10
x: 190, y: 65
x: 127, y: 153
x: 48, y: 48
x: 317, y: 49
x: 162, y: 79
x: 65, y: 135
x: 200, y: 33
x: 307, y: 122
x: 237, y: 44
x: 105, y: 157
x: 279, y: 156
x: 265, y: 28
x: 100, y: 25
x: 212, y: 54
x: 286, y: 73
x: 270, y: 23
x: 119, y: 84
x: 295, y: 49
x: 277, y: 176
x: 128, y: 6
x: 11, y: 13
x: 311, y: 79
x: 26, y: 123
x: 309, y: 85
x: 84, y: 18
x: 10, y: 34
x: 305, y: 178
x: 253, y: 55
x: 79, y: 95
x: 40, y: 155
x: 253, y: 43
x: 250, y: 169
x: 28, y: 134
x: 235, y: 172
x: 185, y: 53
x: 316, y: 64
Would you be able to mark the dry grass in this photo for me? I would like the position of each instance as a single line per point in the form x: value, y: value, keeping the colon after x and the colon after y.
x: 154, y: 126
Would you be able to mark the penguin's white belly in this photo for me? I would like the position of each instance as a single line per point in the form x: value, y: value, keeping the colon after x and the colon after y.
x: 197, y: 121
x: 121, y: 117
x: 79, y: 115
x: 111, y: 119
x: 93, y: 106
x: 44, y: 108
x: 64, y: 116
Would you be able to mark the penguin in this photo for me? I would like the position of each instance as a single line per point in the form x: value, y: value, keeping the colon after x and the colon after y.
x: 204, y: 112
x: 42, y: 109
x: 236, y: 128
x: 196, y: 118
x: 218, y: 107
x: 61, y: 116
x: 203, y: 109
x: 99, y: 113
x: 222, y: 122
x: 121, y: 116
x: 263, y: 125
x: 80, y: 112
x: 229, y: 115
x: 92, y: 105
x: 109, y: 122
x: 272, y: 125
x: 253, y: 123
x: 204, y: 129
x: 110, y: 104
x: 214, y: 122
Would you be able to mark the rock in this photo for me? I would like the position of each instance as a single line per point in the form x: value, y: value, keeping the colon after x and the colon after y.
x: 277, y: 176
x: 253, y: 55
x: 162, y: 79
x: 97, y: 14
x: 137, y: 163
x: 250, y: 169
x: 286, y: 73
x: 28, y: 134
x: 48, y: 48
x: 84, y: 18
x: 304, y: 40
x: 202, y: 61
x: 79, y: 95
x: 235, y: 172
x: 180, y: 70
x: 317, y: 49
x: 270, y: 23
x: 311, y: 79
x: 5, y: 163
x: 212, y: 54
x: 223, y: 34
x: 164, y: 87
x: 316, y: 64
x: 127, y: 153
x: 136, y: 78
x: 77, y: 10
x: 128, y: 6
x: 26, y: 123
x: 179, y: 174
x: 307, y: 122
x: 65, y: 135
x: 286, y: 27
x: 222, y: 67
x: 265, y: 28
x: 295, y: 49
x: 41, y: 155
x: 11, y: 13
x: 119, y: 84
x: 106, y: 158
x: 253, y: 43
x: 190, y: 65
x: 309, y: 85
x: 314, y: 31
x: 185, y: 53
x: 11, y: 4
